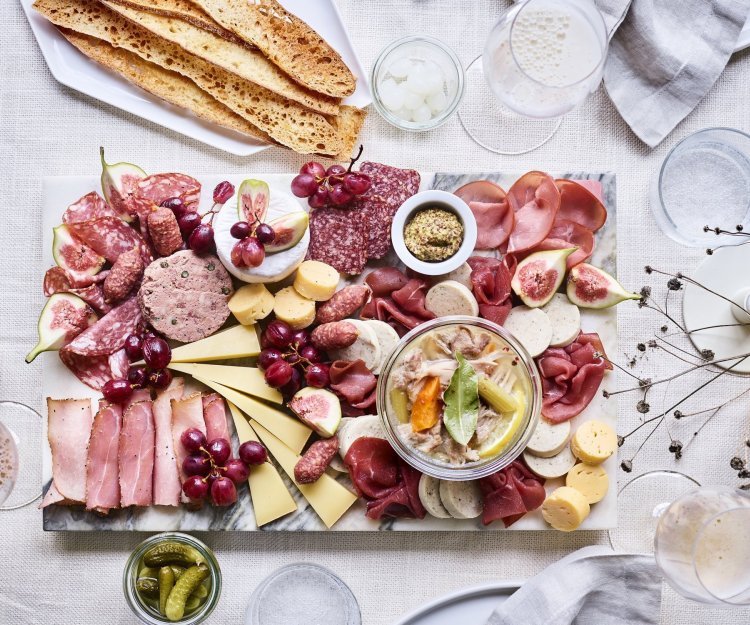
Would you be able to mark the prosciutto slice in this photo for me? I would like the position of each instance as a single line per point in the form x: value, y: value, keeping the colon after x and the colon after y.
x: 137, y: 451
x: 167, y: 486
x: 215, y: 417
x: 535, y: 201
x: 571, y: 377
x: 580, y: 205
x: 186, y: 413
x: 511, y: 493
x: 566, y: 234
x: 354, y: 383
x: 69, y: 424
x: 396, y: 300
x: 490, y: 281
x: 494, y: 216
x: 102, y: 466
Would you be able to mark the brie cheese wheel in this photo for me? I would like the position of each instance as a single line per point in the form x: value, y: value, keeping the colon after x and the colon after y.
x: 274, y: 267
x: 463, y: 500
x: 565, y: 509
x: 531, y: 327
x: 550, y: 468
x: 590, y: 480
x: 548, y: 438
x: 565, y: 317
x: 429, y: 495
x: 594, y: 442
x: 451, y: 298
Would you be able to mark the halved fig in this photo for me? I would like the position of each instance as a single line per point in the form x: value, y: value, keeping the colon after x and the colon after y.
x: 63, y: 318
x: 539, y: 275
x: 591, y: 287
x: 288, y: 231
x: 77, y: 258
x: 252, y: 201
x: 119, y: 182
x: 318, y: 408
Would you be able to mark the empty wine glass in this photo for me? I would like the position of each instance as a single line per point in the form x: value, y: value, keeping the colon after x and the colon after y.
x: 20, y: 447
x: 541, y: 59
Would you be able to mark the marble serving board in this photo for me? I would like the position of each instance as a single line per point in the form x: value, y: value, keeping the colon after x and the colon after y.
x: 58, y: 382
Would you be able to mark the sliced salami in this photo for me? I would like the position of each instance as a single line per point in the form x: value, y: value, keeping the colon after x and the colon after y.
x: 90, y: 206
x: 110, y: 237
x: 57, y: 280
x: 108, y: 334
x: 154, y: 189
x: 338, y: 239
x: 98, y: 370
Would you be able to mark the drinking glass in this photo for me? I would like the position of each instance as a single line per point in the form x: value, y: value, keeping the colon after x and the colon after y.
x: 541, y: 59
x: 20, y: 447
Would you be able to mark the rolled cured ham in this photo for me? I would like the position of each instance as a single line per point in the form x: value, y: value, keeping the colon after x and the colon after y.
x: 102, y: 466
x: 137, y: 440
x: 490, y: 281
x: 535, y: 200
x: 215, y: 417
x: 511, y: 493
x: 167, y: 486
x: 397, y: 300
x: 355, y: 384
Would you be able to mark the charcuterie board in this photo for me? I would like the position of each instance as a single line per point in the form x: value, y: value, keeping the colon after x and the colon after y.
x: 57, y: 381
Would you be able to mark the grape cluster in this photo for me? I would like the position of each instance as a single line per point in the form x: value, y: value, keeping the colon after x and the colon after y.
x: 335, y: 186
x: 211, y: 470
x: 250, y: 250
x: 289, y: 359
x: 157, y: 354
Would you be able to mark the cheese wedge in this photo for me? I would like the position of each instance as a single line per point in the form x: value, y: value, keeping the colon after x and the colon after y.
x: 590, y: 480
x: 235, y: 342
x: 296, y: 310
x: 291, y: 431
x: 565, y: 509
x: 251, y: 303
x: 594, y: 442
x: 326, y: 496
x: 316, y: 281
x: 271, y: 499
x: 249, y: 380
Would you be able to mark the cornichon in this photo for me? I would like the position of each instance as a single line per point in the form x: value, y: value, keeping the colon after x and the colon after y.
x: 400, y: 404
x: 166, y: 583
x: 177, y: 570
x: 183, y: 588
x: 147, y: 587
x: 192, y: 603
x: 147, y: 571
x: 202, y: 591
x: 496, y: 396
x: 172, y: 552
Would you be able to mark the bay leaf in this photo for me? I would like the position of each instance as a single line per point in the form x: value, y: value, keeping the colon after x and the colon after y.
x: 461, y: 400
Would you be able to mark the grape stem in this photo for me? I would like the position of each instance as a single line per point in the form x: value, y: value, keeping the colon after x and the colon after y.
x: 355, y: 159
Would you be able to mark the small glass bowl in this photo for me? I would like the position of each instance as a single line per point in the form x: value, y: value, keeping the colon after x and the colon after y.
x: 130, y: 576
x: 470, y: 470
x: 421, y: 48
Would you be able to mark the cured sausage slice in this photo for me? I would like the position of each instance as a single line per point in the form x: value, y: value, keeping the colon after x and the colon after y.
x: 489, y: 204
x: 90, y: 206
x: 110, y: 237
x: 338, y: 239
x: 57, y: 280
x: 535, y: 201
x: 565, y: 234
x: 580, y: 205
x: 154, y: 189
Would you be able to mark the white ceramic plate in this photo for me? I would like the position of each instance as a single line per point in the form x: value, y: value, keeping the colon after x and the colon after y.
x: 72, y: 68
x: 744, y: 40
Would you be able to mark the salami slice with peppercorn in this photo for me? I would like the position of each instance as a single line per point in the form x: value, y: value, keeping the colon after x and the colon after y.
x: 110, y: 237
x: 90, y: 206
x: 153, y: 190
x: 338, y: 239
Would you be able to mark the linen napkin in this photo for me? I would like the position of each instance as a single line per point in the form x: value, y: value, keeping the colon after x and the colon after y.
x: 665, y: 56
x: 592, y: 586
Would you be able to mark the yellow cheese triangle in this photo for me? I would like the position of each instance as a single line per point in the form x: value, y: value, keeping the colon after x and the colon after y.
x: 235, y: 342
x: 326, y: 496
x: 294, y: 433
x: 249, y: 380
x: 270, y: 496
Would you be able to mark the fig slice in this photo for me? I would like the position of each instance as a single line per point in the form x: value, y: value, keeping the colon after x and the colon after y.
x: 539, y: 275
x: 591, y: 287
x: 317, y: 408
x: 63, y: 318
x: 252, y: 201
x: 288, y: 231
x: 119, y: 182
x: 77, y: 258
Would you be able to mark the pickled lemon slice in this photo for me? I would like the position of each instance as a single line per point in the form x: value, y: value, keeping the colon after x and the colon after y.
x: 505, y: 431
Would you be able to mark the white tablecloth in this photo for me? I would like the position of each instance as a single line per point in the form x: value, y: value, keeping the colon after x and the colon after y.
x: 48, y: 129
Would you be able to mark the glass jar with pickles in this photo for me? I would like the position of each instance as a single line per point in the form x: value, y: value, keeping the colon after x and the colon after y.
x: 172, y: 578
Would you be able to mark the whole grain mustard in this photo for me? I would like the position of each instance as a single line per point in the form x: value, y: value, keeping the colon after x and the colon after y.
x: 433, y: 234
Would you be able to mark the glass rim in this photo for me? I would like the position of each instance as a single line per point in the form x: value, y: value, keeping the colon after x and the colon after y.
x: 23, y: 504
x: 519, y: 9
x: 481, y: 468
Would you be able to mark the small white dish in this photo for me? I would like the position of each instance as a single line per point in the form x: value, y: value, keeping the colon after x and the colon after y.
x: 437, y: 199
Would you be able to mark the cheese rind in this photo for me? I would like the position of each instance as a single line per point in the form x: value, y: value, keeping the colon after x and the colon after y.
x: 594, y: 442
x: 251, y: 303
x: 551, y: 468
x: 548, y: 438
x: 293, y: 308
x: 249, y: 380
x: 270, y: 496
x: 235, y: 342
x: 590, y: 480
x: 565, y: 509
x: 316, y: 281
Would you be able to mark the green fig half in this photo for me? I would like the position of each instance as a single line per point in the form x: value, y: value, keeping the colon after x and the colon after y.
x: 591, y: 287
x: 75, y: 257
x: 539, y: 275
x: 252, y: 201
x: 63, y: 317
x: 119, y: 181
x: 288, y: 231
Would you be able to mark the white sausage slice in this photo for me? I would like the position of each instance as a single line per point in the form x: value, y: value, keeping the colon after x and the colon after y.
x: 565, y: 317
x: 548, y: 438
x: 531, y: 327
x: 463, y: 500
x: 429, y: 495
x: 451, y: 298
x: 366, y: 425
x: 388, y: 339
x: 366, y: 347
x: 461, y: 274
x: 550, y: 468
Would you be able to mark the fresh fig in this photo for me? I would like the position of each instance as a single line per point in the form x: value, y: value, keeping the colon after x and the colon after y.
x: 318, y: 408
x: 119, y: 181
x: 539, y: 275
x: 76, y: 258
x: 591, y: 287
x: 252, y: 201
x: 288, y: 231
x: 63, y: 317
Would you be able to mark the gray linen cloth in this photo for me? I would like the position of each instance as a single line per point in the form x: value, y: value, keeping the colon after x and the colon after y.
x: 592, y: 586
x: 665, y: 56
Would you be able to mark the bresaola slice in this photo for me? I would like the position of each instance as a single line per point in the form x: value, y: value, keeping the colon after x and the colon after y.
x: 535, y: 201
x: 494, y: 216
x: 354, y: 383
x: 396, y: 300
x: 511, y: 493
x: 491, y: 285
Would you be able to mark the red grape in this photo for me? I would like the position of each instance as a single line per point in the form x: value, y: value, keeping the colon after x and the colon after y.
x: 357, y: 183
x: 195, y: 488
x: 253, y: 252
x: 294, y: 384
x: 240, y: 230
x: 268, y: 356
x: 278, y: 374
x: 279, y: 334
x: 160, y: 378
x: 134, y: 347
x: 253, y: 453
x: 201, y: 240
x: 220, y: 450
x: 223, y: 492
x: 176, y: 205
x: 311, y: 353
x: 188, y: 222
x: 223, y: 191
x: 192, y: 440
x: 236, y: 470
x: 300, y: 338
x: 138, y: 376
x: 196, y: 464
x: 292, y: 358
x: 319, y: 199
x: 117, y: 391
x: 339, y: 196
x: 304, y: 185
x: 314, y: 169
x: 264, y: 233
x: 156, y: 352
x: 236, y: 255
x: 317, y: 375
x: 335, y: 173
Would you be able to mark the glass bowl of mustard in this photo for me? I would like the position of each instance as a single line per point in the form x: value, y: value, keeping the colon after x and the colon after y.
x: 434, y: 232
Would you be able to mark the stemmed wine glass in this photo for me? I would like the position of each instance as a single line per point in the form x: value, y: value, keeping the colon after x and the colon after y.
x: 542, y: 58
x: 20, y: 445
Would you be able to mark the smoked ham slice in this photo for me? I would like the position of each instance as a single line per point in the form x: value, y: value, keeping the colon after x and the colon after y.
x: 137, y: 451
x: 579, y: 204
x: 215, y: 417
x: 535, y: 201
x: 511, y: 493
x: 494, y: 216
x: 355, y: 385
x: 186, y: 413
x: 167, y: 486
x: 102, y: 466
x: 565, y: 234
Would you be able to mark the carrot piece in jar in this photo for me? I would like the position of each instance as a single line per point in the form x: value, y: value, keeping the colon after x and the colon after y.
x: 425, y: 412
